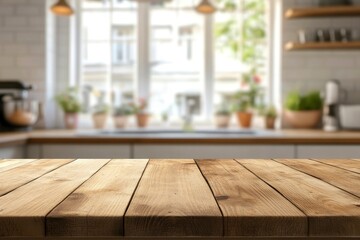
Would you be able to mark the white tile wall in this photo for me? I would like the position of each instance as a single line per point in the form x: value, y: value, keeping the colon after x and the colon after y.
x: 311, y: 69
x: 22, y: 43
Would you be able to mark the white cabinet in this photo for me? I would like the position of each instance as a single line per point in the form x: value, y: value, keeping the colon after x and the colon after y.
x: 16, y: 151
x: 328, y: 151
x: 33, y: 151
x: 84, y: 151
x: 179, y: 151
x: 213, y: 151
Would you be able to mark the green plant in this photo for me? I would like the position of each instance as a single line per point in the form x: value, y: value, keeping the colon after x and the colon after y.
x: 69, y: 101
x: 246, y: 39
x: 306, y: 102
x: 242, y: 101
x: 223, y: 110
x: 251, y: 98
x: 100, y: 109
x: 124, y: 110
x: 141, y: 107
x: 270, y: 112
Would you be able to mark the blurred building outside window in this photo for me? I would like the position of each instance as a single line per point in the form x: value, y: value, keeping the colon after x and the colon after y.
x: 180, y: 42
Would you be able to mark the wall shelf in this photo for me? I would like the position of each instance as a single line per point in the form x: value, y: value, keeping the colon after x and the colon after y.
x: 292, y: 46
x: 333, y: 11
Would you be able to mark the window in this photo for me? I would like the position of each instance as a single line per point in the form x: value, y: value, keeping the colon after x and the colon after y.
x: 124, y: 45
x: 166, y: 51
x: 240, y: 45
x: 108, y: 51
x: 175, y: 66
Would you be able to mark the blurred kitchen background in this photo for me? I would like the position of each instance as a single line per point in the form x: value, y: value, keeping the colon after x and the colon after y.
x: 118, y: 64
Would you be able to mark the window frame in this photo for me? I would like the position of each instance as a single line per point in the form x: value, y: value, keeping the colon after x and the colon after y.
x: 143, y: 43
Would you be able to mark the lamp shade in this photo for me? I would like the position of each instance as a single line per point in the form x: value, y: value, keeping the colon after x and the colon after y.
x: 205, y: 7
x: 62, y: 8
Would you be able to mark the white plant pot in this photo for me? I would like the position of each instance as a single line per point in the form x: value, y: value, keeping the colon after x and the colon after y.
x: 99, y: 120
x: 120, y: 121
x: 222, y: 121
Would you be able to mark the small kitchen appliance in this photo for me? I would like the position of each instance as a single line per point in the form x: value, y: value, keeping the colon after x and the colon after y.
x: 16, y: 111
x: 334, y: 95
x: 349, y: 117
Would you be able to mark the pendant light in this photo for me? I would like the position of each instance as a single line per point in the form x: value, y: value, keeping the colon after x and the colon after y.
x: 62, y: 8
x: 205, y: 7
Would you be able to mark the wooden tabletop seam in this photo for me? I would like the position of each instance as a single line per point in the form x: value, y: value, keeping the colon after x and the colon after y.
x: 133, y: 193
x: 2, y: 193
x: 46, y: 215
x: 336, y: 165
x: 202, y: 175
x: 322, y: 179
x: 283, y: 195
x: 214, y: 196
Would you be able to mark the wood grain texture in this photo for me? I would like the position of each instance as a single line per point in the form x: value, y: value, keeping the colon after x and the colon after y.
x: 338, y: 177
x: 347, y: 164
x: 16, y: 177
x: 23, y: 210
x: 250, y: 206
x: 331, y: 11
x: 294, y: 46
x: 173, y: 199
x: 6, y: 164
x: 330, y: 210
x: 97, y: 207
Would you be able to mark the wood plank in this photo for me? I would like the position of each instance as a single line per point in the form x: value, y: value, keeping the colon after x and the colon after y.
x: 293, y: 46
x: 347, y: 164
x: 97, y: 207
x: 330, y: 210
x: 6, y: 164
x: 331, y: 11
x: 16, y: 177
x: 250, y: 206
x: 173, y: 199
x: 330, y: 174
x: 23, y: 210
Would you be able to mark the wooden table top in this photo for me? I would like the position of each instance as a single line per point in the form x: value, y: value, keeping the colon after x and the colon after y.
x: 181, y: 198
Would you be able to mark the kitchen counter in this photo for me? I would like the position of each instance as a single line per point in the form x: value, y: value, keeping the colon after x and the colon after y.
x: 276, y: 137
x: 181, y: 198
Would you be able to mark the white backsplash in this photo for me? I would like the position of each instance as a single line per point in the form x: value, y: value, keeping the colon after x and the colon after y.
x: 308, y: 70
x: 22, y: 43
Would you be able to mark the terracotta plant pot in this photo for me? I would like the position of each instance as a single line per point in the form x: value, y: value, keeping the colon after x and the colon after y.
x: 270, y: 122
x: 142, y: 119
x: 120, y: 121
x: 303, y: 119
x: 99, y: 120
x: 71, y: 120
x: 244, y: 119
x: 222, y: 121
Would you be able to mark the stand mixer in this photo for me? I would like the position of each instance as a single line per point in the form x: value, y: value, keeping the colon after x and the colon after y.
x: 17, y: 113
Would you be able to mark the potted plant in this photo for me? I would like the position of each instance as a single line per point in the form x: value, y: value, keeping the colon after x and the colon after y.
x: 245, y: 101
x: 303, y: 111
x: 100, y: 115
x: 70, y: 103
x: 223, y: 116
x: 142, y: 116
x: 270, y: 115
x: 121, y: 115
x: 243, y: 111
